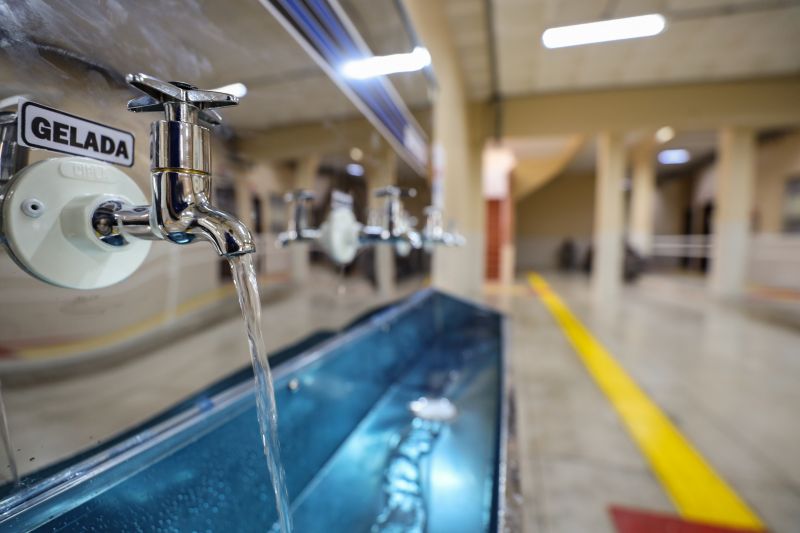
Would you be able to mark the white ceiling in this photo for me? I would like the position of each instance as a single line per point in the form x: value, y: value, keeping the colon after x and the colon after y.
x: 700, y: 44
x: 212, y: 43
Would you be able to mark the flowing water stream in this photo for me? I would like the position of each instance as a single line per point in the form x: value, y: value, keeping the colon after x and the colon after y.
x: 244, y: 276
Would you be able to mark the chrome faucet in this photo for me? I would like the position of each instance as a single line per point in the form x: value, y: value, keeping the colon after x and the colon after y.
x: 394, y: 225
x: 180, y: 159
x: 299, y: 204
x: 434, y: 232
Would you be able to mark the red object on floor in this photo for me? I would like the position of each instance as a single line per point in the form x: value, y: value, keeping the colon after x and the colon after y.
x: 636, y: 521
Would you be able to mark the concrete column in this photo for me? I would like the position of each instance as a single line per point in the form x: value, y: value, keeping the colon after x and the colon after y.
x: 734, y: 198
x: 383, y: 173
x: 643, y: 199
x: 304, y: 176
x: 608, y: 218
x: 457, y: 156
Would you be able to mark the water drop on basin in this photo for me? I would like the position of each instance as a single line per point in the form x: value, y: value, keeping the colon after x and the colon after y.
x: 438, y: 409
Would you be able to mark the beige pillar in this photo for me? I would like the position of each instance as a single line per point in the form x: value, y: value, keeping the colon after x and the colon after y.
x: 608, y: 218
x: 734, y: 198
x: 382, y: 173
x: 643, y: 198
x: 457, y: 160
x: 304, y: 176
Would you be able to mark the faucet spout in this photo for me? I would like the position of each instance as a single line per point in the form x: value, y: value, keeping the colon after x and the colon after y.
x: 182, y: 213
x: 226, y: 233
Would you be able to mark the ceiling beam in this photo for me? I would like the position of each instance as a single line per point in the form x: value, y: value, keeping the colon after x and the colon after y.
x: 758, y: 103
x: 297, y: 141
x: 531, y: 174
x: 325, y: 137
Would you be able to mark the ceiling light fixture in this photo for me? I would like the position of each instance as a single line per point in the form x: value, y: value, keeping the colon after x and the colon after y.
x: 677, y: 156
x: 370, y: 67
x: 238, y: 90
x: 604, y: 30
x: 354, y: 169
x: 356, y: 154
x: 665, y: 134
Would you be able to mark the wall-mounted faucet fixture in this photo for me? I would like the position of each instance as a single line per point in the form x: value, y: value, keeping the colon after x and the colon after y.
x: 338, y: 236
x: 81, y: 223
x: 434, y: 233
x: 180, y: 162
x: 298, y: 203
x: 393, y: 226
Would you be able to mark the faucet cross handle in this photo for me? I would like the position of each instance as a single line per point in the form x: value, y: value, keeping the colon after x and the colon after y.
x: 180, y: 101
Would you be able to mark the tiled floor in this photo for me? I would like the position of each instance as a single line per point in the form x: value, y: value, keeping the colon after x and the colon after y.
x: 729, y: 381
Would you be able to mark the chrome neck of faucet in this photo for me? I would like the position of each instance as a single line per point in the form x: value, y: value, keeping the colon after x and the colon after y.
x: 298, y: 229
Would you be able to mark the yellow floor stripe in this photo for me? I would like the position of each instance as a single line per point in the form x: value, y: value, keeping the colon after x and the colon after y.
x: 697, y: 491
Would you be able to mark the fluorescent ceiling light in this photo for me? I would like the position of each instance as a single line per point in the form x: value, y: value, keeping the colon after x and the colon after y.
x: 354, y: 169
x: 238, y: 90
x: 604, y: 30
x: 373, y: 66
x: 673, y: 157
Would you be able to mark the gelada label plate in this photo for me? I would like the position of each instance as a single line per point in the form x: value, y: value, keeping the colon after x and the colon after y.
x: 40, y: 126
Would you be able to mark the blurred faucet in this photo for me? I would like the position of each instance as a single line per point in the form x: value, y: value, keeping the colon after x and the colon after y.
x: 393, y: 226
x: 434, y: 232
x: 299, y: 203
x: 180, y: 160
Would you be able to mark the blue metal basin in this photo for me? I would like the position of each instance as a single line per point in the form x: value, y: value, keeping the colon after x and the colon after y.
x: 356, y: 457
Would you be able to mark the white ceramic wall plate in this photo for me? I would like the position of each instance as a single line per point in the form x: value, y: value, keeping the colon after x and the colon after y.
x: 339, y: 235
x: 47, y: 222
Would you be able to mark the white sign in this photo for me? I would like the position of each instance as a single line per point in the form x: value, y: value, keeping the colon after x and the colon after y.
x: 44, y: 127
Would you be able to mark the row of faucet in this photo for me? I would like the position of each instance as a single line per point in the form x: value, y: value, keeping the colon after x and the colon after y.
x: 341, y: 236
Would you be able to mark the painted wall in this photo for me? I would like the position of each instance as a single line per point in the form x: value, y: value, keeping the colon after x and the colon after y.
x: 564, y: 208
x: 671, y: 200
x: 778, y: 161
